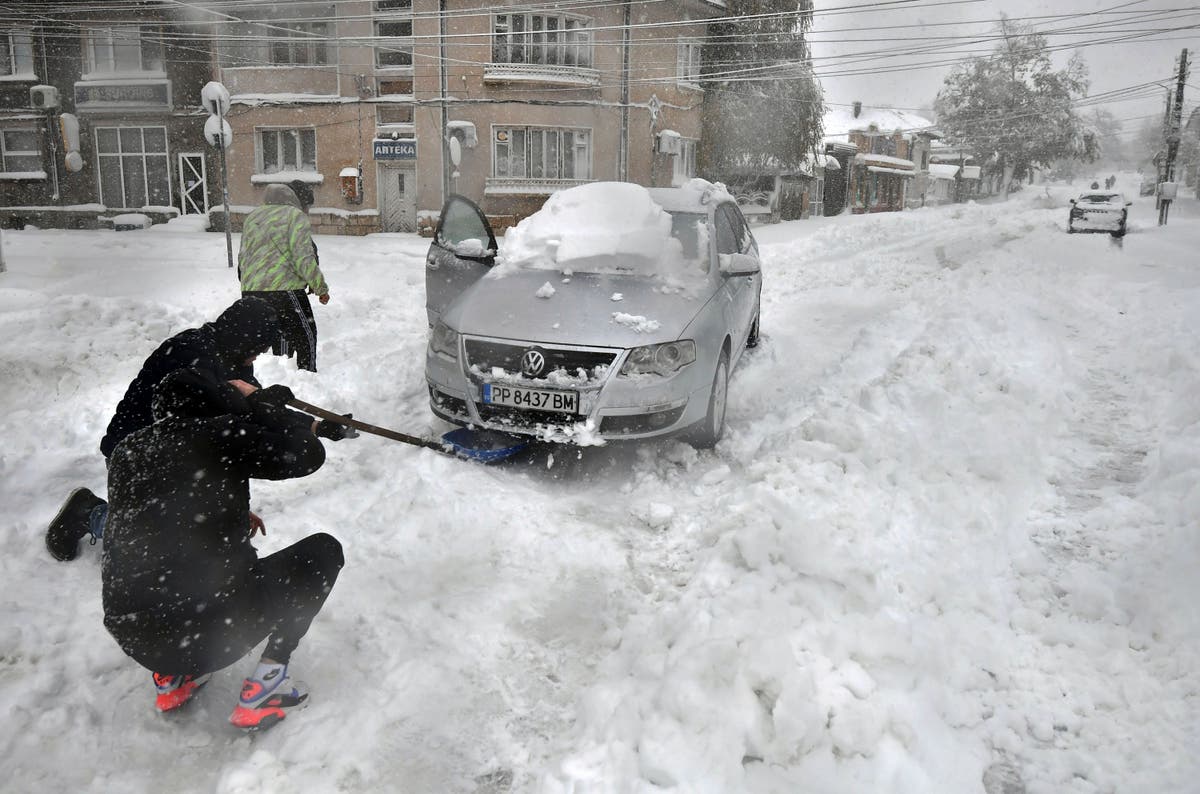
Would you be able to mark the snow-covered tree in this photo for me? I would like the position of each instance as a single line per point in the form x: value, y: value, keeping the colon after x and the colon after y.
x: 1013, y: 109
x: 762, y: 105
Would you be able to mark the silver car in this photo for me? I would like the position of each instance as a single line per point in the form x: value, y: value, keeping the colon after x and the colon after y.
x: 613, y: 346
x: 1099, y: 211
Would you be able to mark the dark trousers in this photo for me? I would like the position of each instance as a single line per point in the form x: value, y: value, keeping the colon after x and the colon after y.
x: 284, y: 593
x: 297, y: 324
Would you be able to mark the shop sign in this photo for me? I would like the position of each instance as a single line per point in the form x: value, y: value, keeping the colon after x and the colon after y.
x: 387, y: 149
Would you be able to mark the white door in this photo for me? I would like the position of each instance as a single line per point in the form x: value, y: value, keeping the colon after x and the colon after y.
x: 193, y: 184
x: 397, y: 198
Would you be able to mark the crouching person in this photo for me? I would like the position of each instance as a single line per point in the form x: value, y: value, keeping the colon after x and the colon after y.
x: 185, y: 593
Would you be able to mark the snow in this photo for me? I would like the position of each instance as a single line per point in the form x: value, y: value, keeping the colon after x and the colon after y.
x: 18, y: 175
x: 637, y: 322
x: 545, y: 291
x: 611, y: 227
x: 951, y: 531
x: 839, y: 121
x: 311, y: 177
x: 131, y: 219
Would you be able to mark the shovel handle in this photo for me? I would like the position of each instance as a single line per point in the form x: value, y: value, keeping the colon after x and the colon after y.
x: 394, y: 435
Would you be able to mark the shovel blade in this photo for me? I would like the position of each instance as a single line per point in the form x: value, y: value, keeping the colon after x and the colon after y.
x: 486, y: 446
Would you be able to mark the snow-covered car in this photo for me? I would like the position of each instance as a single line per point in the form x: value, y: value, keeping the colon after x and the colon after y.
x: 614, y: 312
x: 1099, y: 211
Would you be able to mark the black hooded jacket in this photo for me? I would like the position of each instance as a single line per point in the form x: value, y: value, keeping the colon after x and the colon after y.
x: 177, y: 540
x: 220, y: 348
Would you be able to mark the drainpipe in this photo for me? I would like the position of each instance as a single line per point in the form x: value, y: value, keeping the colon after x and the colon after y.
x: 623, y: 153
x: 444, y: 90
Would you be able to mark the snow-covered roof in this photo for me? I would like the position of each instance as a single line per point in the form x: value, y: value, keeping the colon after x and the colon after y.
x: 840, y: 121
x: 943, y: 170
x: 886, y: 161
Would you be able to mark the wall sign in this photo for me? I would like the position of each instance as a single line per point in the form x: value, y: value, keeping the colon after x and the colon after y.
x: 387, y: 149
x: 92, y: 95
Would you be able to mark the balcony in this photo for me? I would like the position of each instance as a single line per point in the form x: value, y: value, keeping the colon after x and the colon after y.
x: 540, y: 73
x: 125, y: 93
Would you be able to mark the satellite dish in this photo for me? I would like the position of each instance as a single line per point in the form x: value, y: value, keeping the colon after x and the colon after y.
x: 215, y: 127
x: 455, y: 151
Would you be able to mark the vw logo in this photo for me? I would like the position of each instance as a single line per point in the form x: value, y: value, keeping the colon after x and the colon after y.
x: 532, y: 363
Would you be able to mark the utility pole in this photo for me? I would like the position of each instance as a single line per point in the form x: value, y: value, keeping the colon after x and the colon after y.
x: 1176, y: 128
x: 444, y: 90
x: 623, y: 154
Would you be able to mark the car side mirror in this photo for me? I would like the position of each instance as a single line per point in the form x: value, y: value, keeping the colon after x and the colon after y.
x: 738, y: 264
x: 1072, y: 201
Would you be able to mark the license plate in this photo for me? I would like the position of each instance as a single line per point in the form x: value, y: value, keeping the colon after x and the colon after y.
x: 566, y: 402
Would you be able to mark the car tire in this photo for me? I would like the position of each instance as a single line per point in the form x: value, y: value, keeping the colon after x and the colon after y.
x: 712, y: 428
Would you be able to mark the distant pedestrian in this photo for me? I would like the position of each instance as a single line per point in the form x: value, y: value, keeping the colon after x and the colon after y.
x: 278, y: 263
x: 185, y: 593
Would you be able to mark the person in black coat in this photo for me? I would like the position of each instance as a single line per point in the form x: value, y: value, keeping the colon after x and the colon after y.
x: 184, y: 591
x: 225, y: 349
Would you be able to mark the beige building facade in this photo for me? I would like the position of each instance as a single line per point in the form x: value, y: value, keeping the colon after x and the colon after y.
x: 372, y: 102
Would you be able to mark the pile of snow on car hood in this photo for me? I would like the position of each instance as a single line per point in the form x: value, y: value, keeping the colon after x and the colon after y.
x: 601, y: 227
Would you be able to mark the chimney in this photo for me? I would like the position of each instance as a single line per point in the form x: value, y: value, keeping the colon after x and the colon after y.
x: 857, y: 109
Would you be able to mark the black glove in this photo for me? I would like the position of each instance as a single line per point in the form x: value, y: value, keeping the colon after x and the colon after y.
x: 334, y: 431
x: 278, y: 396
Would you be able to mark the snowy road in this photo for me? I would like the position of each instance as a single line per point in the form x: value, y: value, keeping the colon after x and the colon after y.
x: 953, y: 524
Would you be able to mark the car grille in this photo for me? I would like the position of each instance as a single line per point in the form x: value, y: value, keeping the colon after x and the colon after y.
x: 485, y: 355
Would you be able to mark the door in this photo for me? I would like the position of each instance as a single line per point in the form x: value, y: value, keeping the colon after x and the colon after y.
x: 463, y: 249
x: 733, y: 237
x: 397, y: 199
x: 193, y: 184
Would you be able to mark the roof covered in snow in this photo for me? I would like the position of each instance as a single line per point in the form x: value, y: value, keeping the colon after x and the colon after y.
x: 840, y: 121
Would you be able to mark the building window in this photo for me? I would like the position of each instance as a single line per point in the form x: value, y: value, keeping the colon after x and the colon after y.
x: 392, y: 6
x: 121, y: 50
x: 541, y: 153
x: 688, y: 62
x: 287, y: 150
x: 392, y: 87
x: 16, y: 53
x: 393, y: 43
x: 549, y: 39
x: 685, y: 161
x: 132, y: 165
x: 300, y: 44
x: 883, y: 144
x: 394, y: 114
x: 20, y: 151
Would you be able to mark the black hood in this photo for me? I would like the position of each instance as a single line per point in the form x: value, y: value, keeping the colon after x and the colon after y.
x: 245, y: 329
x: 197, y: 394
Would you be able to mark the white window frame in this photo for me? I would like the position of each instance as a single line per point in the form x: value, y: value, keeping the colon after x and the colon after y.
x: 581, y: 151
x: 688, y: 62
x: 303, y: 36
x: 122, y: 156
x: 684, y: 164
x: 6, y: 153
x: 261, y: 143
x: 111, y: 36
x: 23, y: 68
x: 385, y: 44
x: 554, y: 40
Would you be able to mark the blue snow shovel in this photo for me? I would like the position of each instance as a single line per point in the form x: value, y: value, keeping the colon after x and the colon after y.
x: 485, y: 446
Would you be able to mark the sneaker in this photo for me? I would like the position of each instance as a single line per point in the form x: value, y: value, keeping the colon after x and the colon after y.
x: 265, y: 702
x: 175, y: 690
x: 71, y: 524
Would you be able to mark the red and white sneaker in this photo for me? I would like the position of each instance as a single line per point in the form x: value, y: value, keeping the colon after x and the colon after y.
x: 266, y: 701
x: 175, y: 690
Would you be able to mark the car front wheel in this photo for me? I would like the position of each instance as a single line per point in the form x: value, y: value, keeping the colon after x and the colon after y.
x: 713, y: 427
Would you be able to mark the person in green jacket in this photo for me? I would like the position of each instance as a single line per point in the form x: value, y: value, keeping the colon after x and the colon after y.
x: 278, y: 263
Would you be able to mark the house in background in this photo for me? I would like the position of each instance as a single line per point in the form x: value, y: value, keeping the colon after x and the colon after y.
x: 358, y: 98
x: 884, y: 158
x: 99, y: 116
x: 956, y: 177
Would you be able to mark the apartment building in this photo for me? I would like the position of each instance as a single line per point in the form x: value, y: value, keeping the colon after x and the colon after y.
x: 382, y: 106
x: 362, y: 100
x: 99, y: 115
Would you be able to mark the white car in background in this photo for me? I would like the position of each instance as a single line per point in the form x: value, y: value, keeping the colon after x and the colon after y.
x: 614, y: 312
x: 1099, y: 211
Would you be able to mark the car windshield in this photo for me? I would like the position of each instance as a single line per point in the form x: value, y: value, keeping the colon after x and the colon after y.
x: 1099, y: 198
x: 611, y: 228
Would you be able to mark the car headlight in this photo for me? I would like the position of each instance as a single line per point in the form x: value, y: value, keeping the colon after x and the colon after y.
x: 663, y: 359
x: 444, y: 340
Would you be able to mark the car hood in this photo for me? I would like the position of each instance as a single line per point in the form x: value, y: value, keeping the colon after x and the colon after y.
x: 581, y: 309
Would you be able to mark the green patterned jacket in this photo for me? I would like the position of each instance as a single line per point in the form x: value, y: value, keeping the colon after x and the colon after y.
x: 277, y: 251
